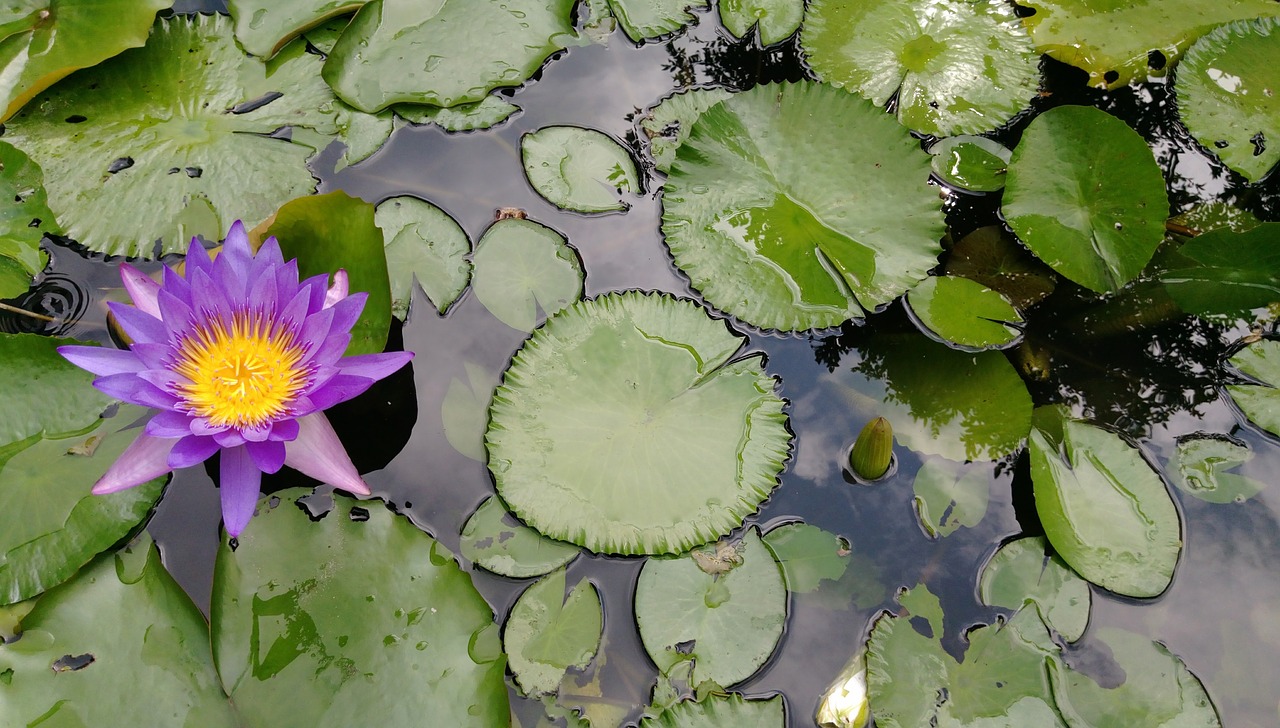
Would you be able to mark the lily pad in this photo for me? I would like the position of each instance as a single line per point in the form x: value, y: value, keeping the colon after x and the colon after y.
x: 1105, y: 510
x: 668, y: 124
x: 717, y: 711
x: 150, y: 667
x: 464, y: 412
x: 423, y: 244
x: 1085, y: 195
x: 625, y: 425
x: 808, y: 555
x: 263, y: 27
x: 443, y: 53
x: 22, y: 219
x: 314, y: 622
x: 484, y: 114
x: 1201, y: 466
x: 1226, y: 272
x: 1022, y: 572
x: 953, y: 66
x: 964, y: 313
x: 494, y: 540
x: 522, y: 269
x: 42, y: 393
x: 796, y: 206
x: 1229, y: 94
x: 645, y: 19
x: 1260, y: 402
x: 775, y: 20
x: 948, y: 497
x: 548, y: 633
x: 578, y: 169
x: 727, y: 623
x: 972, y: 163
x: 993, y: 257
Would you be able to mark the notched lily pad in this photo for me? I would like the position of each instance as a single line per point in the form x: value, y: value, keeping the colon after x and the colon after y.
x: 1202, y: 464
x: 484, y: 114
x: 548, y: 633
x: 1259, y: 402
x: 523, y: 270
x: 1225, y: 272
x: 808, y: 555
x: 645, y: 19
x: 494, y: 540
x: 774, y: 20
x: 964, y: 313
x: 972, y: 163
x: 578, y: 169
x: 948, y: 496
x: 423, y: 244
x: 1022, y: 572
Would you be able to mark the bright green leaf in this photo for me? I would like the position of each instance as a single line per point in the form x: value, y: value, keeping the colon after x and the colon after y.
x: 22, y: 220
x: 668, y: 124
x: 1201, y: 466
x: 948, y: 497
x: 263, y: 27
x: 1226, y: 272
x: 578, y: 169
x: 972, y: 163
x: 808, y: 555
x: 964, y: 313
x: 424, y: 244
x: 645, y: 19
x: 547, y: 633
x: 1022, y: 572
x: 992, y: 256
x: 494, y: 540
x: 523, y: 269
x: 43, y: 393
x: 776, y: 20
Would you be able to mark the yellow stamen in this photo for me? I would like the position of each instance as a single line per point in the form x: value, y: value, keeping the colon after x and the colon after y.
x: 245, y: 375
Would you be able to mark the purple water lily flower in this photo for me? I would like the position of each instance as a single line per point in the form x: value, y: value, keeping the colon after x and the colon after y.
x: 240, y: 357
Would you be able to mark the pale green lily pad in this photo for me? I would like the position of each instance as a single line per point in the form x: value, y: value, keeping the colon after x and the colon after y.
x: 1105, y: 510
x: 314, y: 622
x: 120, y: 644
x: 42, y: 393
x: 668, y: 124
x: 43, y: 41
x: 728, y: 623
x: 548, y: 633
x: 423, y: 244
x: 578, y: 169
x: 484, y: 114
x: 625, y: 425
x: 494, y: 540
x: 1226, y: 272
x: 22, y: 220
x: 183, y: 166
x: 808, y: 555
x: 953, y: 66
x: 464, y: 412
x: 645, y: 19
x: 948, y: 496
x: 1085, y: 194
x: 443, y: 53
x: 964, y: 313
x: 775, y: 20
x: 1229, y: 94
x: 263, y: 27
x: 1021, y: 572
x: 972, y: 163
x: 718, y: 711
x: 796, y: 206
x: 1113, y: 39
x: 1201, y: 465
x: 523, y: 269
x: 50, y: 523
x: 1261, y: 402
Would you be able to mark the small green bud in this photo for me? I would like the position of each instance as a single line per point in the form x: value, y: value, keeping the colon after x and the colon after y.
x: 873, y: 450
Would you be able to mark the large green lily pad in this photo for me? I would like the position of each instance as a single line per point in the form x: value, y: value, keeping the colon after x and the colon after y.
x: 775, y: 20
x: 494, y: 540
x: 1224, y: 271
x: 668, y: 124
x: 1259, y: 402
x: 423, y: 244
x: 263, y: 27
x: 42, y: 393
x: 954, y: 66
x: 1229, y: 94
x: 314, y: 622
x: 524, y: 269
x: 578, y: 169
x: 796, y: 206
x: 1086, y: 196
x: 625, y: 425
x: 644, y: 19
x: 1023, y: 572
x: 965, y: 313
x: 548, y: 633
x: 22, y: 220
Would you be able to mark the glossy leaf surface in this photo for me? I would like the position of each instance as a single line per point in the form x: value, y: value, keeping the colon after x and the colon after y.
x: 645, y: 19
x: 775, y: 20
x: 263, y: 27
x: 22, y: 220
x: 964, y: 312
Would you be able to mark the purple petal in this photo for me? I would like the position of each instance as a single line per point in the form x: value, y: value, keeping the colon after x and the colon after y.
x: 132, y: 389
x: 207, y: 297
x: 285, y: 430
x: 262, y: 293
x: 229, y: 438
x: 154, y: 356
x: 166, y: 380
x: 139, y: 325
x: 295, y: 312
x: 146, y: 458
x: 191, y: 450
x: 197, y: 257
x: 201, y: 426
x: 339, y: 389
x: 315, y: 329
x: 175, y: 313
x: 318, y: 453
x: 374, y: 366
x: 177, y: 285
x: 347, y: 311
x: 169, y: 423
x: 270, y: 252
x: 287, y: 280
x: 339, y: 289
x: 268, y: 455
x: 316, y: 286
x: 142, y: 289
x: 102, y: 361
x: 256, y: 434
x: 241, y: 480
x: 331, y: 350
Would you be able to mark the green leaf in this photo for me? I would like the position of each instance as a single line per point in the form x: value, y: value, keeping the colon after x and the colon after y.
x: 964, y: 313
x: 808, y: 555
x: 335, y: 231
x: 425, y: 244
x: 719, y: 711
x: 1105, y: 510
x: 50, y: 523
x: 578, y: 169
x: 264, y: 27
x: 1022, y: 572
x: 727, y: 623
x: 953, y: 66
x: 1227, y: 97
x: 120, y: 644
x: 776, y: 20
x: 1260, y: 403
x: 645, y: 19
x: 948, y: 497
x: 484, y: 114
x: 1216, y: 214
x: 43, y: 393
x: 22, y: 219
x: 314, y: 622
x: 1201, y: 464
x: 494, y: 540
x: 668, y: 124
x: 464, y: 412
x: 522, y: 269
x: 427, y: 53
x: 1226, y: 272
x: 547, y: 633
x: 972, y: 163
x: 1085, y: 194
x: 796, y: 206
x: 625, y: 425
x: 14, y: 278
x: 992, y: 256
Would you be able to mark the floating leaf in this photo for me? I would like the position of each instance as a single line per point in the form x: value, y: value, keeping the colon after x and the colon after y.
x: 464, y: 412
x: 718, y: 711
x: 1260, y: 403
x: 948, y: 497
x: 625, y: 425
x: 150, y: 666
x: 263, y: 27
x: 972, y: 163
x: 964, y: 313
x: 808, y: 555
x: 22, y: 219
x: 547, y: 633
x: 1201, y: 465
x: 668, y: 124
x: 953, y: 66
x: 43, y: 393
x: 578, y: 169
x: 1085, y: 194
x: 443, y: 53
x: 494, y: 540
x: 796, y: 206
x: 645, y: 19
x: 1226, y: 272
x: 775, y: 20
x: 1022, y: 572
x: 484, y: 114
x: 727, y: 623
x: 424, y: 244
x: 522, y: 269
x: 314, y: 622
x: 1216, y: 214
x: 1104, y: 509
x: 993, y: 257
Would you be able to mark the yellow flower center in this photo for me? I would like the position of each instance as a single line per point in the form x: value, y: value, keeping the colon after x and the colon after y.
x: 245, y: 375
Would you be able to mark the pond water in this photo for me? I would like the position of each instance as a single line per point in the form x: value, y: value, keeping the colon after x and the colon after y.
x: 1152, y: 381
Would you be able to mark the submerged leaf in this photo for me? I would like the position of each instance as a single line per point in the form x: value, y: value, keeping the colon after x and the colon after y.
x: 524, y: 270
x: 484, y: 114
x: 548, y: 633
x: 578, y: 169
x: 423, y: 244
x: 645, y: 19
x: 808, y: 555
x: 948, y: 497
x: 1201, y: 466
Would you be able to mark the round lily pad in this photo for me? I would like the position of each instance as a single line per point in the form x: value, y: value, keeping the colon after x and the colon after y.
x: 1202, y: 465
x: 1022, y: 571
x: 523, y: 269
x: 548, y: 633
x: 494, y: 540
x: 964, y: 313
x: 972, y: 163
x: 578, y: 169
x: 423, y: 244
x: 796, y: 206
x: 625, y: 425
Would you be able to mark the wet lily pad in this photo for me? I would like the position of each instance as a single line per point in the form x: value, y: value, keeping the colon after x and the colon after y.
x: 972, y: 163
x: 263, y: 27
x: 423, y: 244
x: 578, y: 169
x: 1261, y: 402
x: 1103, y: 507
x: 1201, y: 466
x: 775, y: 20
x: 728, y: 623
x: 494, y: 540
x: 796, y: 206
x: 625, y: 425
x: 548, y: 633
x: 1225, y: 272
x: 484, y: 114
x: 645, y: 19
x: 1085, y: 195
x: 668, y: 124
x: 443, y: 53
x: 993, y: 257
x: 808, y: 555
x: 964, y: 313
x: 150, y: 667
x: 21, y: 220
x: 717, y: 711
x: 464, y: 412
x: 1229, y: 94
x: 42, y: 393
x: 1021, y: 572
x: 314, y: 622
x: 953, y: 66
x: 948, y: 497
x: 524, y: 270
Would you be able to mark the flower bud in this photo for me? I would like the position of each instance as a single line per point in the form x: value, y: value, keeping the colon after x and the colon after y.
x: 873, y: 450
